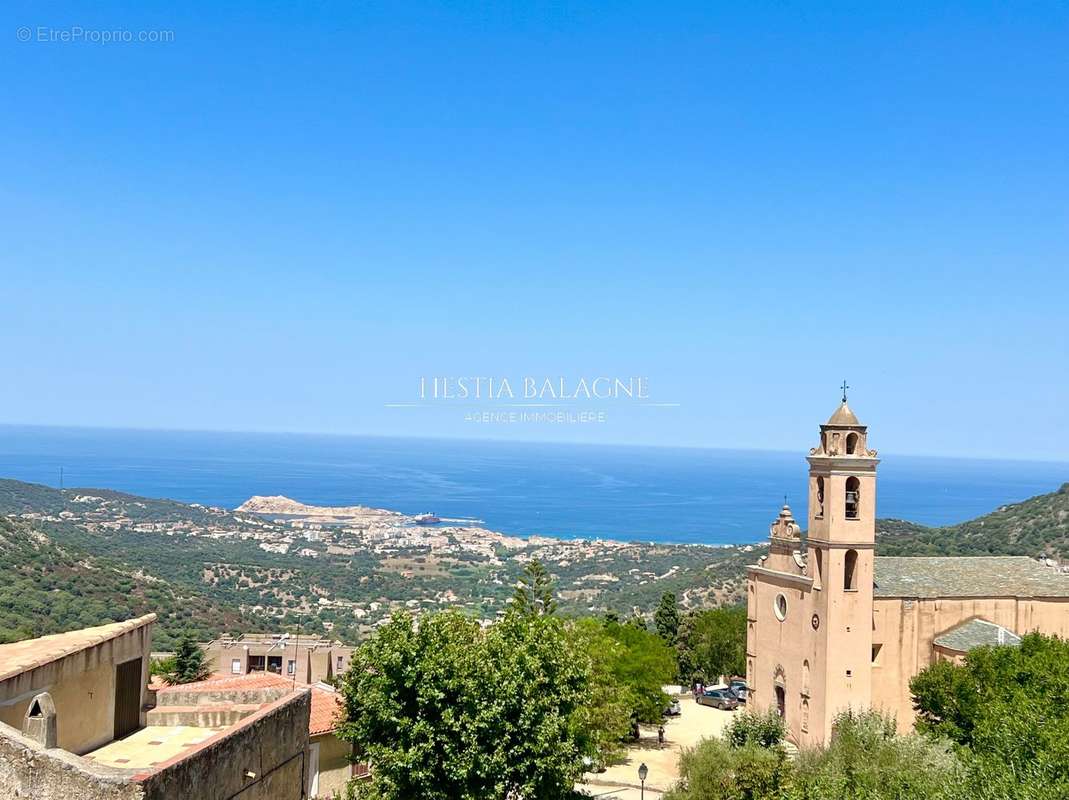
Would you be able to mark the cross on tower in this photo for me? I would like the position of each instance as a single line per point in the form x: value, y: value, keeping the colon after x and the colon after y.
x: 845, y: 387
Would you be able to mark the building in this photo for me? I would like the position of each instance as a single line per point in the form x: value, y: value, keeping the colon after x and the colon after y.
x: 307, y: 659
x: 330, y: 757
x: 330, y: 762
x: 831, y: 626
x: 77, y: 719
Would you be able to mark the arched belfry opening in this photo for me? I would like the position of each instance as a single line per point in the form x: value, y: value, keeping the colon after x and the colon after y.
x: 820, y: 497
x: 851, y: 444
x: 850, y: 571
x: 853, y: 497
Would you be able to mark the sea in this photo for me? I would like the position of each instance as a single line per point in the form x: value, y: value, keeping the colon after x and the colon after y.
x: 653, y: 494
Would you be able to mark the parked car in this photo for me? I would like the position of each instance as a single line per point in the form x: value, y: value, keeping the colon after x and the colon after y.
x: 673, y: 709
x: 719, y: 698
x: 740, y: 690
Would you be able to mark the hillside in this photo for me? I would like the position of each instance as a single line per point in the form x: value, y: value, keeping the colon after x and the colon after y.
x: 49, y: 588
x: 87, y: 556
x: 1035, y: 527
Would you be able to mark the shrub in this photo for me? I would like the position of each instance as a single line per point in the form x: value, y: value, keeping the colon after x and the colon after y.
x: 715, y: 770
x: 865, y: 760
x: 758, y: 729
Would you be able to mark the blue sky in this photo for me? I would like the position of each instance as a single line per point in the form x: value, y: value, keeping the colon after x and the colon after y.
x: 287, y: 215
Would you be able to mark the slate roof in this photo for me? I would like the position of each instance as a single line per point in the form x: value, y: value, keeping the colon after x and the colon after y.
x: 19, y: 657
x: 967, y: 576
x: 975, y: 633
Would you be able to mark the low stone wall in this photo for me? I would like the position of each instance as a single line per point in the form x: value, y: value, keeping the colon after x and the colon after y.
x: 28, y: 770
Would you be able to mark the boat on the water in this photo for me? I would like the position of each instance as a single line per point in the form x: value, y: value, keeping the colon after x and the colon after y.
x: 426, y: 519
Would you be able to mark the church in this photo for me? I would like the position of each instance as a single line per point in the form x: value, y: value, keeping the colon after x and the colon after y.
x: 832, y: 626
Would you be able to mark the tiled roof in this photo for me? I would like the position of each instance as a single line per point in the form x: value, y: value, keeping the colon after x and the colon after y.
x: 326, y: 710
x: 976, y: 633
x: 19, y: 657
x: 219, y: 682
x: 967, y: 576
x: 326, y: 703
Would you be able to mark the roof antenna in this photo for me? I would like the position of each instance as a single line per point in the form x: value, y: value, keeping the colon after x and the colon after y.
x: 845, y: 387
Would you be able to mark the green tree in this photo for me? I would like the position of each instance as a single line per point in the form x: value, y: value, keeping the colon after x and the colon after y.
x: 637, y: 664
x: 445, y: 709
x: 666, y: 618
x: 1008, y: 709
x: 190, y: 664
x: 162, y: 666
x: 712, y: 643
x: 535, y: 590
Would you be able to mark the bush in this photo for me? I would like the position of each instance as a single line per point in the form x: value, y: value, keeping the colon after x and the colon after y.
x: 865, y: 760
x: 715, y: 770
x: 751, y: 728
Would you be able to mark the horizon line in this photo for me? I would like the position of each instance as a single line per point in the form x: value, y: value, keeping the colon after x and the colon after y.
x: 493, y: 440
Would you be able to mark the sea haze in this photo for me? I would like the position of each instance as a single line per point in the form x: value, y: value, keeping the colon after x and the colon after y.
x: 644, y: 493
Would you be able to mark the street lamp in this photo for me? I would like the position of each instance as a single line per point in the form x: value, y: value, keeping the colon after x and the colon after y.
x: 643, y: 771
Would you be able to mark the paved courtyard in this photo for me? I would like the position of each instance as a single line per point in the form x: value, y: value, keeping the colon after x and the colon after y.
x: 151, y: 746
x: 620, y: 781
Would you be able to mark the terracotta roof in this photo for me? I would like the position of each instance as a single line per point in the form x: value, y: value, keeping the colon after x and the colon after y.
x: 326, y: 705
x: 976, y: 633
x: 967, y: 576
x: 219, y: 682
x: 327, y: 709
x: 19, y: 657
x: 843, y: 416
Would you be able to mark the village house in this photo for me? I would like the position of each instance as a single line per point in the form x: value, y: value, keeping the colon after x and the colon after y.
x: 307, y: 659
x: 832, y: 626
x: 77, y: 719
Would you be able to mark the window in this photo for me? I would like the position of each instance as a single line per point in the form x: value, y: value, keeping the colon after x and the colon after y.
x: 340, y: 662
x: 853, y: 497
x: 291, y: 667
x: 850, y: 571
x: 235, y: 666
x: 851, y: 444
x: 818, y: 582
x: 780, y: 607
x: 876, y: 648
x: 820, y: 498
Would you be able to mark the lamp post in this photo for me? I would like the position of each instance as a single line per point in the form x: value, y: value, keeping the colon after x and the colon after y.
x: 643, y: 771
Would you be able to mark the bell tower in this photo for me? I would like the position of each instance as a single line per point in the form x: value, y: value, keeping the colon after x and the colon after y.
x: 842, y: 535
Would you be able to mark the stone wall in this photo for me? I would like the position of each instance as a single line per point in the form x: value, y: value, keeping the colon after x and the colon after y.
x: 27, y: 770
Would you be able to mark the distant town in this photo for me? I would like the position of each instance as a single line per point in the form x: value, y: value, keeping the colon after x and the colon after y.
x: 397, y: 560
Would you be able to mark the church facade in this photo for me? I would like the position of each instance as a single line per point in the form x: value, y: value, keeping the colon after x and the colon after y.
x: 831, y: 626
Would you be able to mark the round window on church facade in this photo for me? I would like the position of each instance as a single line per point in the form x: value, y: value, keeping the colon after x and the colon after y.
x: 780, y: 607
